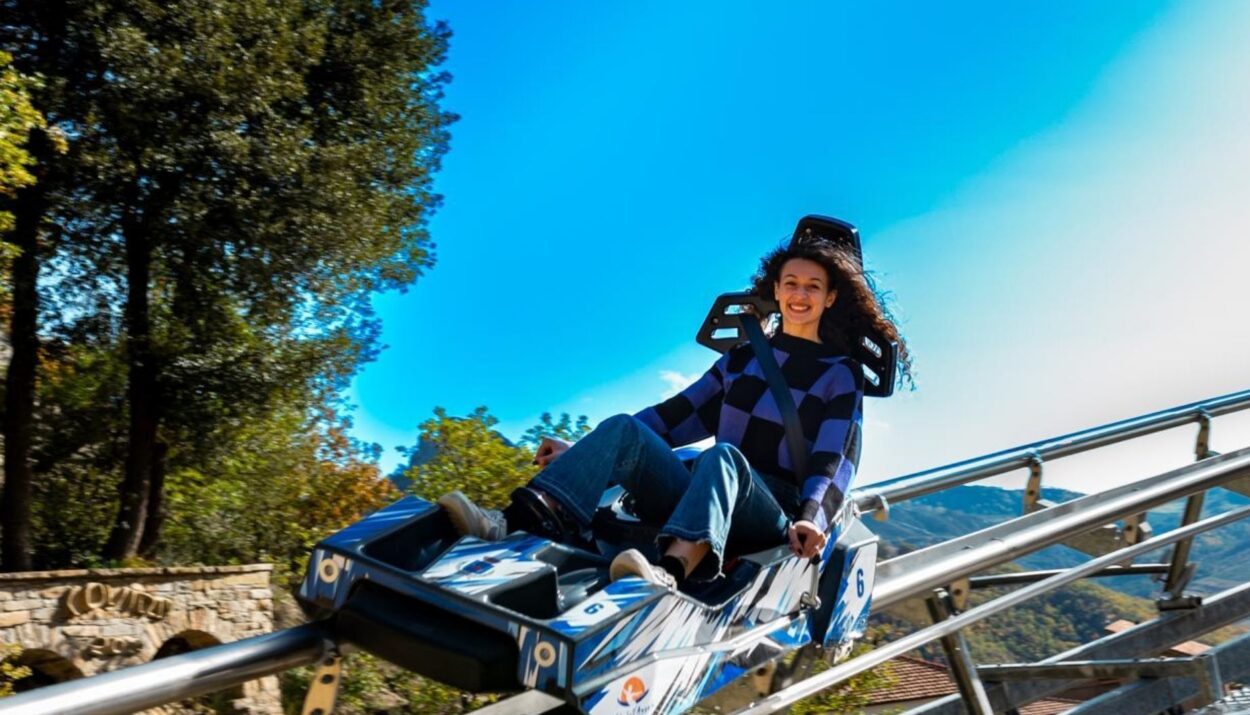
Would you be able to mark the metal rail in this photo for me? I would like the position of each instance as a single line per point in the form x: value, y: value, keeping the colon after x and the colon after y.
x: 1228, y: 662
x: 178, y: 677
x: 911, y: 575
x: 918, y: 572
x: 1144, y: 640
x: 788, y: 696
x: 1022, y: 577
x: 883, y: 494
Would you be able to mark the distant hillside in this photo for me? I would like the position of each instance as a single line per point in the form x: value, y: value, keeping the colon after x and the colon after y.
x: 1070, y: 616
x: 1038, y: 628
x: 954, y: 512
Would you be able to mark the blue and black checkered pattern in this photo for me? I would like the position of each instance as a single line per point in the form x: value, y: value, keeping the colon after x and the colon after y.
x: 732, y: 401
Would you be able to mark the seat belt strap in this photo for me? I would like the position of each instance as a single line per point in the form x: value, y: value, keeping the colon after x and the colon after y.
x: 781, y: 395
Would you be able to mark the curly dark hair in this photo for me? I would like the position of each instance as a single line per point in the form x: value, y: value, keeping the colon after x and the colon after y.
x: 860, y: 308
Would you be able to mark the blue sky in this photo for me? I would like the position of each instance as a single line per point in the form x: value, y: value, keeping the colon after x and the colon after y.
x: 1057, y: 195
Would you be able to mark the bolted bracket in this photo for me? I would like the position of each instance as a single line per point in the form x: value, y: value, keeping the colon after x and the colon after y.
x: 959, y: 592
x: 1241, y: 486
x: 1097, y: 542
x: 1202, y: 446
x: 1179, y: 603
x: 883, y: 512
x: 762, y: 678
x: 324, y: 690
x: 1033, y: 490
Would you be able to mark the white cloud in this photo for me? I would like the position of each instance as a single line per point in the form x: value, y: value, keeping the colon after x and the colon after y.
x: 676, y: 382
x: 876, y: 425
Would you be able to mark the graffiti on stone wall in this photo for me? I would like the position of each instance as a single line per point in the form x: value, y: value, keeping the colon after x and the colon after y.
x: 109, y: 646
x: 93, y: 596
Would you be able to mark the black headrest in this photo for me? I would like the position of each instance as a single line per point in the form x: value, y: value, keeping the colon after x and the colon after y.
x: 814, y: 227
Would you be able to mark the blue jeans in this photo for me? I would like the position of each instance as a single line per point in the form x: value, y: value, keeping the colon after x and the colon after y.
x: 722, y: 501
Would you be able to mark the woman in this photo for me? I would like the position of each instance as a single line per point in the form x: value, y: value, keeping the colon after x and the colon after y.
x: 742, y: 495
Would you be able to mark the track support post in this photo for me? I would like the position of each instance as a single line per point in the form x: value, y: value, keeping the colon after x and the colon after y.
x: 323, y: 693
x: 1181, y: 570
x: 941, y: 607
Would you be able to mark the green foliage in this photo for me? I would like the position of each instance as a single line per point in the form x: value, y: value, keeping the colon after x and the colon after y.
x: 566, y: 428
x: 17, y: 118
x: 469, y: 455
x: 78, y: 448
x: 1052, y: 623
x: 372, y: 685
x: 252, y: 136
x: 287, y: 483
x: 243, y: 176
x: 10, y: 671
x: 850, y: 696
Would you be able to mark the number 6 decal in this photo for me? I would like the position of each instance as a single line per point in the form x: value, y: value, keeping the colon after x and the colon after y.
x: 859, y: 583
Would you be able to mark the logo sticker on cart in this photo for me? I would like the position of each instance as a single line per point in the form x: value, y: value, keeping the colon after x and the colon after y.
x: 632, y: 692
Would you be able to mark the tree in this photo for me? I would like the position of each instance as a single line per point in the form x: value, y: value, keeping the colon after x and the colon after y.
x: 273, y: 496
x: 222, y: 152
x: 18, y: 118
x: 466, y: 453
x: 565, y: 428
x: 25, y: 142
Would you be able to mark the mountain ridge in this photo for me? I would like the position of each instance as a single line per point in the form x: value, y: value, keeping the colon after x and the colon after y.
x: 954, y: 512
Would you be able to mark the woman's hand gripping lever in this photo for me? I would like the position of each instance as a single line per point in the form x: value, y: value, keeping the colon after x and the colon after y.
x: 808, y: 541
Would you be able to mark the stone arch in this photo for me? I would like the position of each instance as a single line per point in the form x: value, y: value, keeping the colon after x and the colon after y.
x: 46, y: 668
x: 185, y: 642
x: 92, y: 621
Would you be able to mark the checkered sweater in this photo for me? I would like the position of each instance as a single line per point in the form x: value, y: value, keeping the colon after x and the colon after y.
x: 732, y: 401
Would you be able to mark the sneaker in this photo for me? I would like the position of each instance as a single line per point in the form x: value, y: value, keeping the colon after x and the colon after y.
x: 631, y: 562
x: 469, y: 519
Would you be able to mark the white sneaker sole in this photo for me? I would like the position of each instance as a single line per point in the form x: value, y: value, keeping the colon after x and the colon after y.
x: 632, y: 563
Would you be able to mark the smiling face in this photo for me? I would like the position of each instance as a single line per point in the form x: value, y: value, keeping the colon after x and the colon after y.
x: 803, y: 292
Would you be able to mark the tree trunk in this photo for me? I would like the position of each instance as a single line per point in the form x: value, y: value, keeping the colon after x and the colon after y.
x: 19, y: 396
x: 156, y: 503
x: 135, y: 489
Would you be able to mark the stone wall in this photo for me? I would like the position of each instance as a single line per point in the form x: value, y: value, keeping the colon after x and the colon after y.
x: 82, y: 622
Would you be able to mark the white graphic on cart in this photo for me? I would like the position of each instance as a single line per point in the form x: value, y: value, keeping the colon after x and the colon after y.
x: 475, y: 566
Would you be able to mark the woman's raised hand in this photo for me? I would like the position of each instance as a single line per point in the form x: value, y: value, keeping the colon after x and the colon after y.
x: 548, y: 450
x: 806, y: 539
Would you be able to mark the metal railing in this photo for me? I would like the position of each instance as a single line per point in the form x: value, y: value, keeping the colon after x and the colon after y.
x: 169, y: 680
x: 899, y: 489
x: 806, y: 688
x: 924, y: 573
x: 916, y: 574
